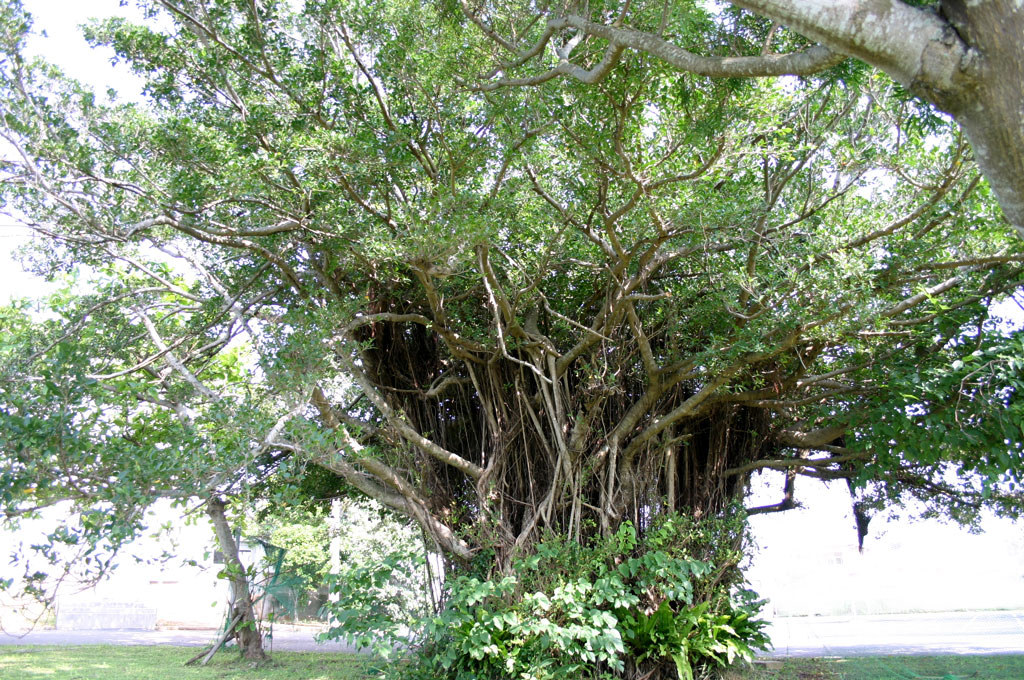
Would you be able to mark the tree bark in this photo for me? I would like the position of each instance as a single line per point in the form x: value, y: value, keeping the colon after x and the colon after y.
x: 992, y: 114
x: 246, y: 631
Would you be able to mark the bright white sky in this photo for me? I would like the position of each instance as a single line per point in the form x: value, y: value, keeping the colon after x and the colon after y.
x: 64, y: 45
x: 933, y: 556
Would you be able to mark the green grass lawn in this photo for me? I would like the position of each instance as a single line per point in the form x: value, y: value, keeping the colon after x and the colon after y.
x: 998, y: 667
x: 104, y: 662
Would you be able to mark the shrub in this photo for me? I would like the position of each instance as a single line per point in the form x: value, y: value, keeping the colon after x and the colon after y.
x: 621, y: 606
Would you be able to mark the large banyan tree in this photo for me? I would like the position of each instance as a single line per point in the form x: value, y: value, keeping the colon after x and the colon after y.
x: 503, y: 308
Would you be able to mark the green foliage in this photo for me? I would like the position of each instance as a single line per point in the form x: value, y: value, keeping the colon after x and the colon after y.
x: 961, y: 412
x: 109, y: 446
x: 381, y: 590
x: 371, y: 606
x: 695, y: 636
x: 306, y: 539
x: 591, y: 610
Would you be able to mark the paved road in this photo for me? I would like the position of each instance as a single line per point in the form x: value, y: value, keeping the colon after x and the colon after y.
x: 946, y: 633
x: 943, y: 633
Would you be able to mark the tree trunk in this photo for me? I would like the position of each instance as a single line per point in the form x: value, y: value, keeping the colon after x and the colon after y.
x: 250, y: 642
x: 992, y: 114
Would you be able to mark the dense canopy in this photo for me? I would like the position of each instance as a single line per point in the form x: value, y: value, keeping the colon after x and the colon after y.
x: 333, y: 236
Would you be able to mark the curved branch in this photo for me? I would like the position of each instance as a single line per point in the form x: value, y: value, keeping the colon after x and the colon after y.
x: 806, y: 62
x: 383, y: 484
x: 564, y: 68
x: 913, y: 45
x: 364, y: 319
x: 785, y: 463
x: 812, y: 439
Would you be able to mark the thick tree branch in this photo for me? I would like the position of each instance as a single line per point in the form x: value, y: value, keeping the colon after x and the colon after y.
x: 784, y: 463
x: 806, y: 62
x: 913, y: 45
x: 383, y: 483
x: 811, y: 439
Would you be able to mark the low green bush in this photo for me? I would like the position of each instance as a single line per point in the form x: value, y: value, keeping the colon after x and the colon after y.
x: 664, y: 603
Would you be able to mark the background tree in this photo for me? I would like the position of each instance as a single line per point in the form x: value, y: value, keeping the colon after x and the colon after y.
x: 242, y: 624
x: 514, y: 312
x: 80, y: 426
x: 367, y: 535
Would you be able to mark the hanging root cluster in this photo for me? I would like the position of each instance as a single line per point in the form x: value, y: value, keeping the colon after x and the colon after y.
x: 568, y: 449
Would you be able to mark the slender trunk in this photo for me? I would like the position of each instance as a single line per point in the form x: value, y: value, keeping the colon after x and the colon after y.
x: 246, y: 631
x: 334, y: 531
